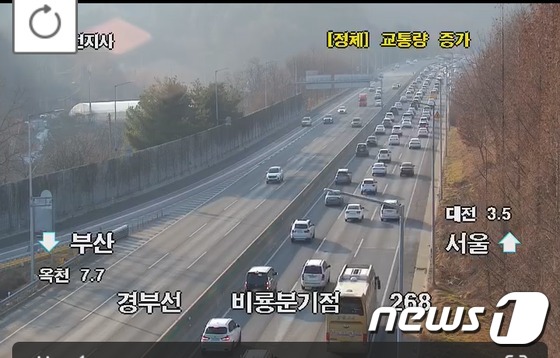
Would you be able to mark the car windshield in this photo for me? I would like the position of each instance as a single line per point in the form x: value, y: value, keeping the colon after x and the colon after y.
x: 254, y: 278
x: 370, y: 138
x: 300, y: 226
x: 379, y: 165
x: 274, y: 170
x: 216, y: 330
x: 313, y: 269
x: 333, y: 193
x: 368, y: 181
x: 383, y: 151
x: 354, y: 207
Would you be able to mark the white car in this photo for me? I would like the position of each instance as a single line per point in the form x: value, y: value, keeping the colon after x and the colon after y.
x: 378, y: 103
x: 399, y: 105
x: 316, y: 273
x: 368, y: 186
x: 394, y: 140
x: 397, y: 129
x: 432, y: 102
x: 406, y: 123
x: 220, y: 334
x: 390, y: 115
x: 408, y: 116
x: 389, y: 212
x: 342, y: 109
x: 274, y: 175
x: 384, y: 155
x: 424, y: 118
x: 306, y: 122
x: 302, y: 230
x: 414, y: 143
x: 380, y: 129
x: 423, y: 124
x: 354, y: 212
x: 378, y: 169
x: 356, y: 122
x: 423, y: 133
x: 403, y: 99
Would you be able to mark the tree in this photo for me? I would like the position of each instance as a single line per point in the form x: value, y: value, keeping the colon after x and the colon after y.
x: 165, y: 113
x: 204, y: 101
x: 74, y: 151
x: 11, y: 131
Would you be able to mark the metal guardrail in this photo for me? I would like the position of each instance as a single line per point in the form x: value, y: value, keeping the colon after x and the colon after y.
x: 35, y: 287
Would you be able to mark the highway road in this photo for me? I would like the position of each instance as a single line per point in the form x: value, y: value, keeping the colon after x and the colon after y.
x: 339, y: 243
x: 190, y: 254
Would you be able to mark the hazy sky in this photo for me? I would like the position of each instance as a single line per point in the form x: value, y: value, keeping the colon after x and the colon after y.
x: 193, y: 40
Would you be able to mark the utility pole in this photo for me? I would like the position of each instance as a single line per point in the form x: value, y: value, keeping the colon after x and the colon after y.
x: 31, y: 218
x: 216, y: 93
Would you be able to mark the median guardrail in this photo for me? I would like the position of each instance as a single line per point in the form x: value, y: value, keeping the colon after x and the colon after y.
x: 30, y: 290
x: 219, y: 292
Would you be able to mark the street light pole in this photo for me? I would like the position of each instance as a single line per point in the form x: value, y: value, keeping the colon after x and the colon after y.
x: 433, y: 254
x: 216, y: 93
x: 31, y: 224
x: 440, y: 141
x: 115, y: 114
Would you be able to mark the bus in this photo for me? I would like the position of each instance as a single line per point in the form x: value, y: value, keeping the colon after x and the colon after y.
x: 358, y: 285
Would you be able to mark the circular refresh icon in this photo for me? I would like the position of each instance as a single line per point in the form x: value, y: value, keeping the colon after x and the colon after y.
x: 46, y: 9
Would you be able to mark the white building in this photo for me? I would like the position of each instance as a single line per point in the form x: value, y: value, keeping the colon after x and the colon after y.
x: 100, y: 110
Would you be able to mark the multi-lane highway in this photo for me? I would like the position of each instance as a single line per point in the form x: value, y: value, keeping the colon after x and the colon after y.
x: 190, y: 254
x: 338, y: 242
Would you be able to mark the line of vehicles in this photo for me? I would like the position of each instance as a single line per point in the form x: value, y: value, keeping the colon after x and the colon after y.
x: 357, y: 283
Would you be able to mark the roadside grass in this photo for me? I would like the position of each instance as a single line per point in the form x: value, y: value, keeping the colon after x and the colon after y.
x: 451, y: 290
x: 15, y: 274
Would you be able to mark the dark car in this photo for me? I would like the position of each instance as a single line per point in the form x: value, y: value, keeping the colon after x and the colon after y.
x: 407, y: 169
x: 328, y: 119
x: 261, y: 278
x: 377, y: 96
x: 343, y: 176
x: 394, y: 110
x: 371, y: 141
x: 362, y: 150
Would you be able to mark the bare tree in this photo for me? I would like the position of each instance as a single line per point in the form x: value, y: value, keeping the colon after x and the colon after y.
x: 75, y: 150
x: 11, y: 140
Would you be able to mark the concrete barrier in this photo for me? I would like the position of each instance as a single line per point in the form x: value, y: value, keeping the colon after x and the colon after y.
x: 27, y: 292
x: 79, y: 191
x: 219, y: 292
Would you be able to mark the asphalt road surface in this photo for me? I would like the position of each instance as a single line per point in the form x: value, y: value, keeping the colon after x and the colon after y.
x: 338, y: 242
x: 190, y: 254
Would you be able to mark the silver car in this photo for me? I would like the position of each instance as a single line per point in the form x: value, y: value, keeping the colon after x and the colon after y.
x: 334, y: 198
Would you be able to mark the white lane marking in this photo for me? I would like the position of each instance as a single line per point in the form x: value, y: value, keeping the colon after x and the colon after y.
x: 385, y: 189
x: 83, y: 285
x: 197, y: 230
x: 393, y: 264
x: 229, y: 205
x: 202, y: 294
x: 195, y: 261
x: 155, y: 263
x: 262, y: 202
x: 374, y: 212
x: 359, y: 247
x: 297, y: 171
x: 400, y: 155
x: 96, y: 308
x: 230, y: 230
x: 254, y: 186
x: 279, y: 186
x: 321, y: 244
x: 394, y: 168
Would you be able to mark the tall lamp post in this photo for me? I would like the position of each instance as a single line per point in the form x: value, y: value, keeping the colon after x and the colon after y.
x: 266, y: 82
x: 216, y: 94
x: 400, y: 208
x: 31, y: 224
x: 432, y: 255
x: 115, y: 113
